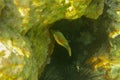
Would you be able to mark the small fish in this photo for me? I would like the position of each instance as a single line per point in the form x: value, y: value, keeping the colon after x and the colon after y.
x: 61, y: 40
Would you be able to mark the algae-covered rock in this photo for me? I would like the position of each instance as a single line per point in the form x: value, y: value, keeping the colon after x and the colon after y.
x: 25, y: 39
x: 42, y: 13
x: 10, y: 16
x: 16, y: 59
x: 1, y: 5
x: 96, y: 55
x: 95, y: 9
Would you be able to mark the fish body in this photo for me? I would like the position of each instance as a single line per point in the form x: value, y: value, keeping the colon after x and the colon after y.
x: 61, y: 40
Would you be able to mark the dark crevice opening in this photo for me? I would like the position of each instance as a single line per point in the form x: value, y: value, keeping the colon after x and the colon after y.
x: 85, y: 37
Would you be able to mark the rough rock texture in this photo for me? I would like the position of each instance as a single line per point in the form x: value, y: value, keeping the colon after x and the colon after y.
x: 16, y: 59
x: 24, y: 28
x: 95, y: 47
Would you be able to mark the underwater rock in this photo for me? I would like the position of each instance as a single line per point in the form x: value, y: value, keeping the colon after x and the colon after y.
x: 95, y: 9
x: 15, y: 56
x: 1, y: 5
x: 25, y: 32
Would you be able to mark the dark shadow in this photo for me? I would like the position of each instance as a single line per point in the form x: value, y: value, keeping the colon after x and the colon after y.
x: 85, y: 37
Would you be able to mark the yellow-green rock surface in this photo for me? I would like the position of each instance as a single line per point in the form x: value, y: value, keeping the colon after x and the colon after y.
x: 25, y: 40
